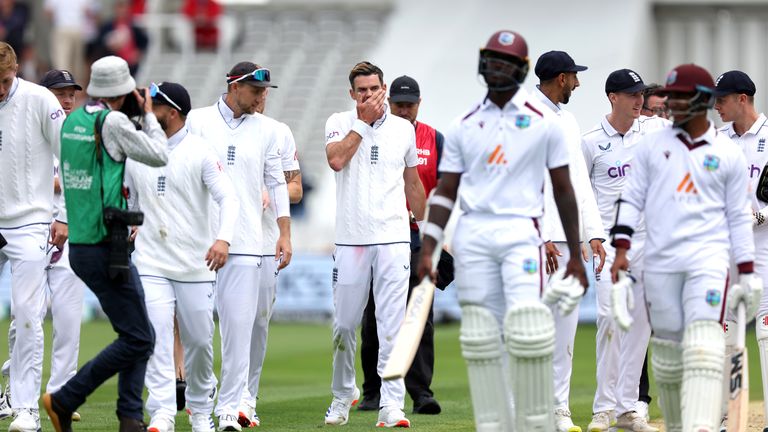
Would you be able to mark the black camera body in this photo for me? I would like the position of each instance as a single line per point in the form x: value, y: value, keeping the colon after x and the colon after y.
x: 117, y: 222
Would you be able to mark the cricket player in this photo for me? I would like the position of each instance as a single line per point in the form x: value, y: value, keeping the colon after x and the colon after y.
x: 735, y: 103
x: 30, y: 121
x: 690, y: 184
x: 498, y: 152
x: 289, y: 159
x: 609, y: 149
x: 373, y: 154
x: 557, y: 73
x: 177, y: 256
x: 246, y: 144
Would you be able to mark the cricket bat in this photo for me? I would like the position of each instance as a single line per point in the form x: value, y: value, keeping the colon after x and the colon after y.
x: 409, y: 336
x: 738, y: 403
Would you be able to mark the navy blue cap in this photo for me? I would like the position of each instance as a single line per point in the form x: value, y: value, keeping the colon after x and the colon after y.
x: 624, y: 81
x: 404, y: 89
x: 59, y: 78
x: 553, y: 63
x: 173, y: 93
x: 734, y: 81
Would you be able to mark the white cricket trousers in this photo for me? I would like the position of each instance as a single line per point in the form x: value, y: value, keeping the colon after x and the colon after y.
x: 192, y: 303
x: 26, y: 252
x: 565, y: 335
x: 237, y: 285
x: 389, y: 266
x: 266, y: 302
x: 620, y: 354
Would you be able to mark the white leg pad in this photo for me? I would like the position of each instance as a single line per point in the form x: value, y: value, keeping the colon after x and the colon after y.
x: 762, y: 345
x: 703, y: 359
x: 481, y: 347
x: 729, y: 327
x: 667, y: 363
x: 529, y: 330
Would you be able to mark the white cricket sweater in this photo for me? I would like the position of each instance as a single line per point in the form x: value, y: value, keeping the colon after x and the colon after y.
x: 247, y: 148
x: 176, y: 201
x: 30, y: 127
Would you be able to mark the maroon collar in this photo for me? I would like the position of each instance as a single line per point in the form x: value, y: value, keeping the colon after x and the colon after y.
x: 689, y: 144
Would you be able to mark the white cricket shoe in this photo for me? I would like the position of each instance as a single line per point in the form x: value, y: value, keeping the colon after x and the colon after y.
x: 161, y: 424
x: 228, y: 422
x: 202, y: 423
x: 563, y: 422
x: 5, y: 407
x: 245, y: 413
x: 601, y: 421
x: 641, y: 408
x: 27, y: 420
x: 255, y: 420
x: 633, y: 422
x: 338, y: 413
x: 392, y: 417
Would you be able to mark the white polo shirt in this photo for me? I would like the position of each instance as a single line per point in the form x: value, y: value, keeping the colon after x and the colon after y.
x: 502, y: 153
x: 694, y: 199
x: 608, y: 155
x: 370, y: 194
x: 289, y: 158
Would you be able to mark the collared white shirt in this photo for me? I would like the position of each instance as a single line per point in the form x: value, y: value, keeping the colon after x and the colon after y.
x: 502, y: 154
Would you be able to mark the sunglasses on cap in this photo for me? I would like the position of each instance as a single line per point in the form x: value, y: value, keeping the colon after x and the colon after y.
x: 154, y: 90
x: 261, y: 75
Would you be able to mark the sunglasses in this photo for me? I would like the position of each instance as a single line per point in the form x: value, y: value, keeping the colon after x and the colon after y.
x: 154, y: 90
x: 261, y: 75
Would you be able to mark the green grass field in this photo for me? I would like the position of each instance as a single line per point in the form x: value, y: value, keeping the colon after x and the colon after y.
x: 295, y: 389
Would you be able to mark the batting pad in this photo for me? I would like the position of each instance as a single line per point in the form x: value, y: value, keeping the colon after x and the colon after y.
x: 529, y: 330
x: 703, y: 358
x: 730, y: 342
x: 762, y: 346
x: 481, y: 347
x: 667, y: 362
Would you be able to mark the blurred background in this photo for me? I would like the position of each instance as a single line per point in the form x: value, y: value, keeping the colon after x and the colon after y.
x: 310, y: 45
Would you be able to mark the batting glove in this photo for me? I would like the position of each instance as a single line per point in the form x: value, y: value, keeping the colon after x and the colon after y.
x: 565, y: 292
x: 623, y: 300
x: 749, y: 290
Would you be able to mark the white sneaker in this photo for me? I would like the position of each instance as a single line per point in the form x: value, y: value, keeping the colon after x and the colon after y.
x: 338, y: 412
x: 27, y: 420
x: 202, y: 423
x: 392, y: 417
x: 161, y: 424
x: 563, y: 422
x: 244, y: 414
x: 255, y: 420
x: 641, y: 408
x: 5, y: 407
x: 228, y: 422
x: 633, y: 422
x: 601, y: 421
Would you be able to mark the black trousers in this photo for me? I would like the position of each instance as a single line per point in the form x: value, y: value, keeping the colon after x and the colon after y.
x: 644, y: 383
x: 419, y: 377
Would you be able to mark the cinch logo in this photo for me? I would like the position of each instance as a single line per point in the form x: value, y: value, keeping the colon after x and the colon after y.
x: 332, y: 134
x: 687, y: 186
x: 497, y: 157
x: 56, y: 114
x: 754, y: 171
x: 619, y: 170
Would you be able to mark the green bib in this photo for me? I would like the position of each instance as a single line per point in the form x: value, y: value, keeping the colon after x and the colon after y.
x: 92, y: 179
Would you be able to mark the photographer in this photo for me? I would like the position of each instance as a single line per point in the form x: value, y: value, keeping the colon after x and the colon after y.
x: 96, y: 140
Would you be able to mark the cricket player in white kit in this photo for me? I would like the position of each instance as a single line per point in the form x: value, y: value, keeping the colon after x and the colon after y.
x: 177, y: 256
x: 557, y: 74
x: 689, y: 182
x: 246, y: 143
x: 30, y: 121
x: 609, y: 149
x: 498, y: 151
x: 735, y: 103
x: 374, y: 156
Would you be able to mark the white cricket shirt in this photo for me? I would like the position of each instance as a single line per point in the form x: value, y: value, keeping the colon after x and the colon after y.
x: 289, y: 158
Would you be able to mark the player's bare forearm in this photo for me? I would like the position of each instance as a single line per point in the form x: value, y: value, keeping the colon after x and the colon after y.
x: 414, y: 192
x: 620, y: 263
x: 295, y: 190
x: 283, y: 250
x: 565, y: 199
x: 339, y: 153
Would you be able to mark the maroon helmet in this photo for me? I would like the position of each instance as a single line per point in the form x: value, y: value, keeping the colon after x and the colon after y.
x: 509, y: 43
x: 689, y: 79
x: 504, y: 61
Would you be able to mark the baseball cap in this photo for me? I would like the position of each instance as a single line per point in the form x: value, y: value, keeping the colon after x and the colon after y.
x: 688, y: 78
x: 553, y: 63
x: 404, y: 89
x: 171, y: 94
x: 624, y: 81
x: 250, y: 73
x: 734, y: 81
x: 58, y: 78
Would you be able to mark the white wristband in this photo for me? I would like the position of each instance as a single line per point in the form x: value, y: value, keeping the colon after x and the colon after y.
x: 441, y: 201
x: 359, y: 127
x: 433, y: 230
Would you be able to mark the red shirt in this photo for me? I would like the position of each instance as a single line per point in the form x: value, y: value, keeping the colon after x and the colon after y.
x: 429, y: 146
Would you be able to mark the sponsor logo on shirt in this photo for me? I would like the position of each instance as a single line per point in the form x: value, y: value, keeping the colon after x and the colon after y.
x: 713, y: 297
x: 667, y: 153
x: 497, y: 156
x: 332, y: 135
x: 56, y: 114
x: 606, y: 148
x: 711, y: 162
x: 686, y: 185
x: 620, y: 170
x: 754, y: 171
x: 530, y: 266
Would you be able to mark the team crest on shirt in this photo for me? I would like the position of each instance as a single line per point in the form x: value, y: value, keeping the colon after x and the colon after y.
x: 374, y: 154
x: 606, y: 148
x: 711, y: 162
x: 761, y: 145
x: 522, y: 121
x: 713, y: 297
x: 161, y: 185
x: 231, y: 155
x: 530, y: 266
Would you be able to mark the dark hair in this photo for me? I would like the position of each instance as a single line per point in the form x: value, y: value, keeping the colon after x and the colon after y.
x: 364, y: 69
x: 650, y: 91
